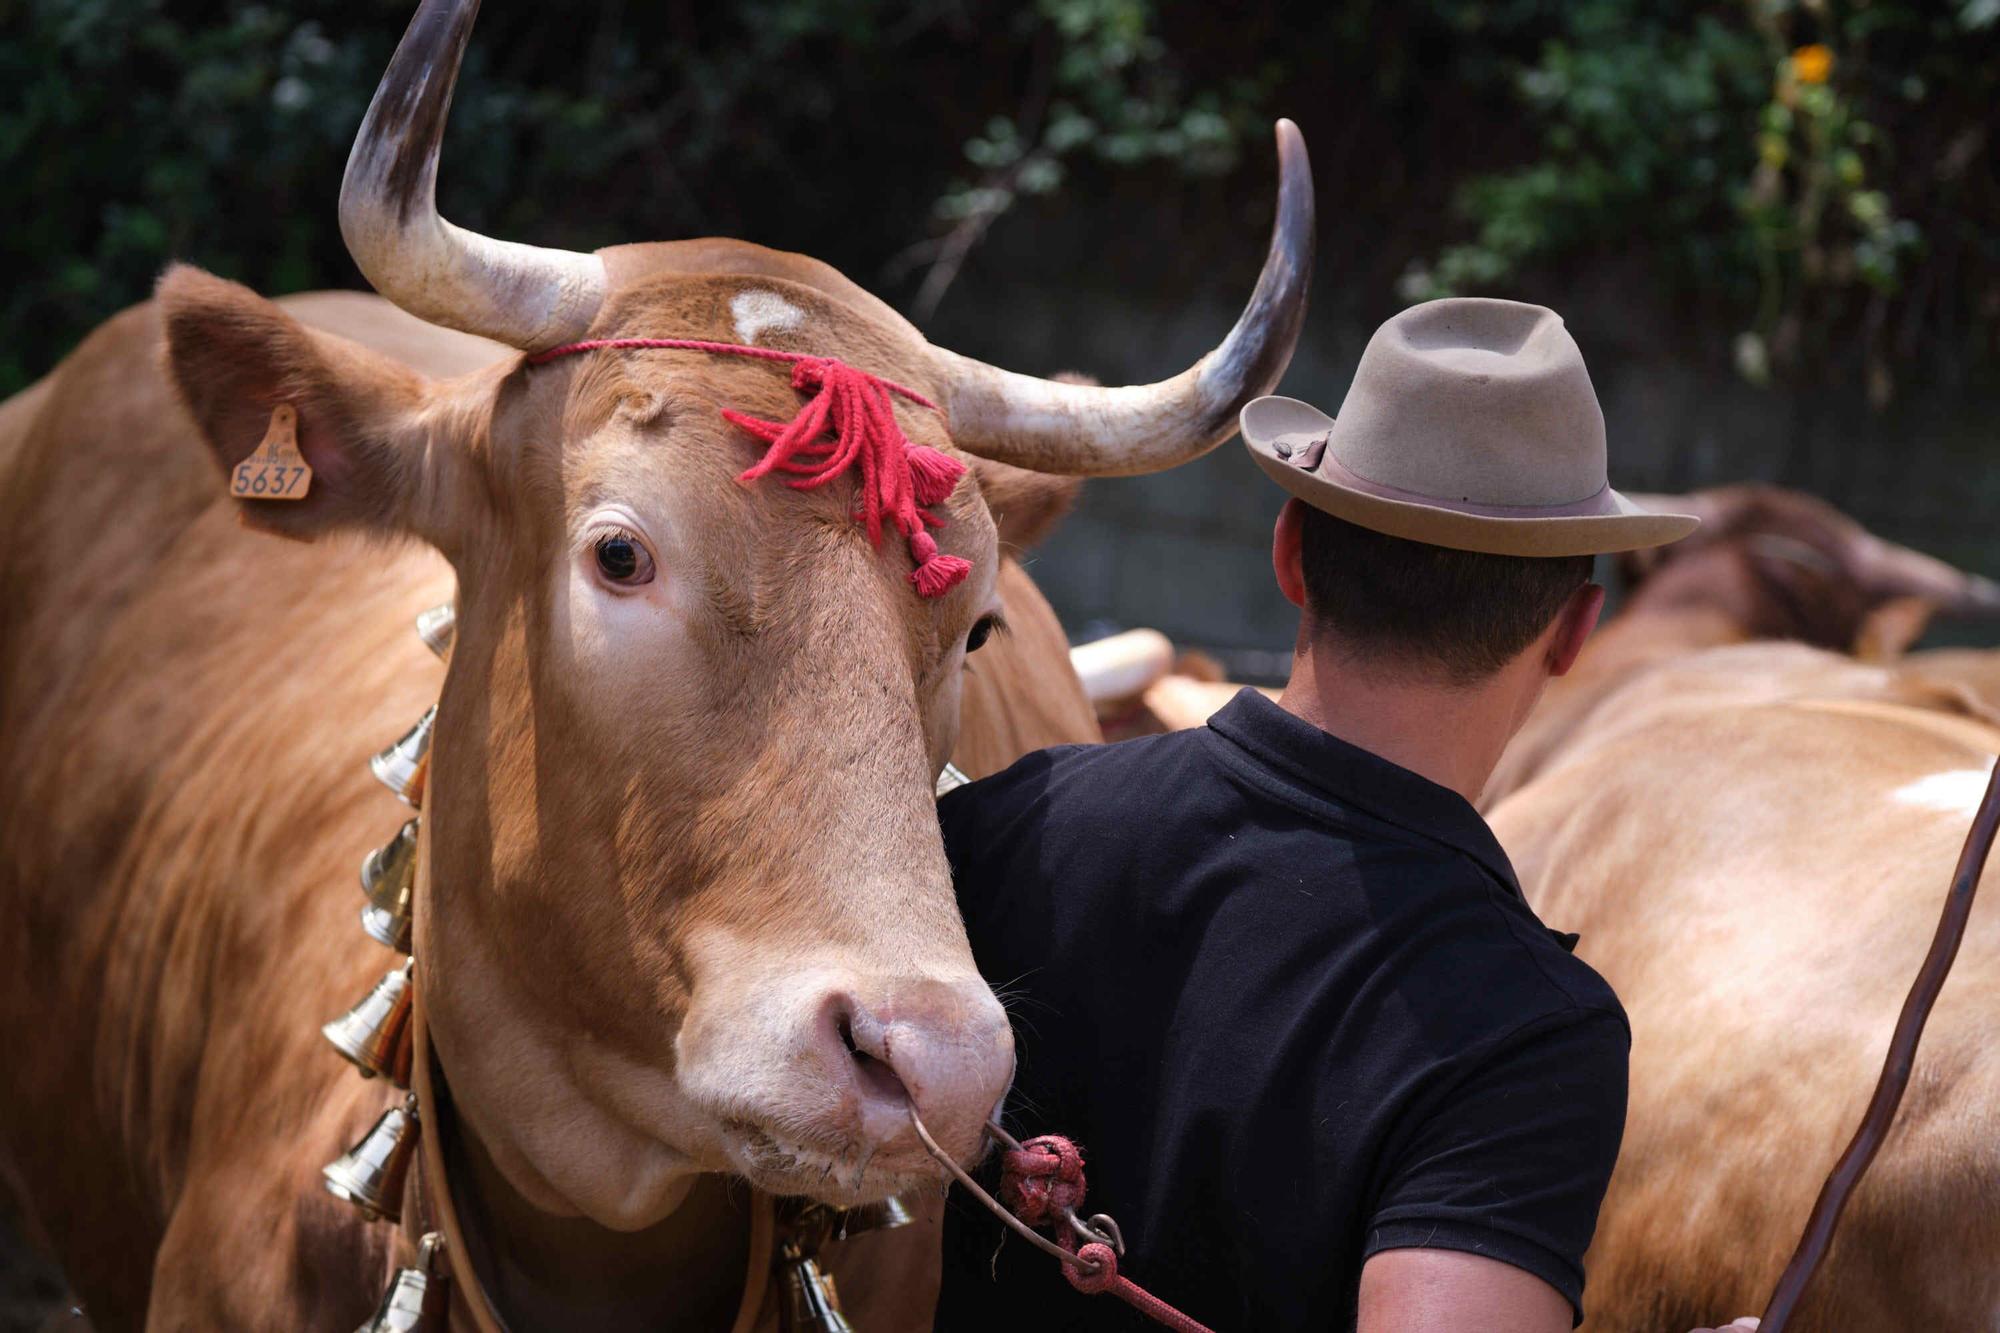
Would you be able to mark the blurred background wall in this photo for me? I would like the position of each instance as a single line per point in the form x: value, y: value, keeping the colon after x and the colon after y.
x: 1773, y: 227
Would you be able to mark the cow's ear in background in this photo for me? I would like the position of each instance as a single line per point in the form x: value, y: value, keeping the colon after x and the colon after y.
x: 1026, y: 506
x: 1891, y: 628
x: 361, y: 419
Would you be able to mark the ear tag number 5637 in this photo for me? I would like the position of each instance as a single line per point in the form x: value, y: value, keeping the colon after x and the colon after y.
x: 275, y: 470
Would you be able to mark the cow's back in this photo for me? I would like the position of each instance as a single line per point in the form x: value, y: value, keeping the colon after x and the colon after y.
x: 1976, y: 669
x: 1759, y: 884
x: 186, y: 708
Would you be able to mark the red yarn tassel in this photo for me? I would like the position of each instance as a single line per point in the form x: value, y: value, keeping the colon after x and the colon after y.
x: 935, y: 474
x: 899, y: 480
x: 936, y: 574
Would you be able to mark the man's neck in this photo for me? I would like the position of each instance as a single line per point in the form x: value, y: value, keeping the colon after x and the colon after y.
x: 1448, y: 733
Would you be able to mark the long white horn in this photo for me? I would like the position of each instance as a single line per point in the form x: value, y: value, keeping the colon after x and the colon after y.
x: 521, y: 295
x: 1085, y: 430
x: 1882, y: 568
x: 1123, y: 666
x: 1893, y: 570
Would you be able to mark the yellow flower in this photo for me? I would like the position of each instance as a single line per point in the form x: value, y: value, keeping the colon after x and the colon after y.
x: 1811, y: 64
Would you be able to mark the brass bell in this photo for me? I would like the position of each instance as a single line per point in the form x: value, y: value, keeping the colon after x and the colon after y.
x: 807, y: 1301
x: 396, y: 767
x: 370, y: 1175
x: 437, y: 627
x: 415, y: 1300
x: 375, y: 1034
x: 419, y: 782
x: 389, y: 878
x: 886, y: 1215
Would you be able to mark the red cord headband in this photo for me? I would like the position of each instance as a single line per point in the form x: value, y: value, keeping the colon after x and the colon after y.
x: 899, y: 480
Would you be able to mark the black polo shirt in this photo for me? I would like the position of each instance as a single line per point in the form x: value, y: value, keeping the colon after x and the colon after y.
x: 1289, y: 998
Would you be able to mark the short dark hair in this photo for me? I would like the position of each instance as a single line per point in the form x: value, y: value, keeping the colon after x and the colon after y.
x: 1460, y: 614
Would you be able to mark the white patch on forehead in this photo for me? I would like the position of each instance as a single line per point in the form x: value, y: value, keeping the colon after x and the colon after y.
x: 1956, y: 792
x: 759, y: 312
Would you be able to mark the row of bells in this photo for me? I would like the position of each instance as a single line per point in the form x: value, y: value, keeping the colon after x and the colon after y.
x: 374, y: 1036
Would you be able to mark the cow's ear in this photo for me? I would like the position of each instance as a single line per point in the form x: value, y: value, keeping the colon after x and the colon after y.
x: 363, y: 422
x: 1888, y: 630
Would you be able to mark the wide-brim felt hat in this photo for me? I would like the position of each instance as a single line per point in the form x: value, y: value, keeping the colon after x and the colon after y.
x: 1471, y: 424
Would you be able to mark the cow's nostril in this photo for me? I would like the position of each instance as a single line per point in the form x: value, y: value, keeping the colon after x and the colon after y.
x: 868, y: 1051
x: 878, y: 1080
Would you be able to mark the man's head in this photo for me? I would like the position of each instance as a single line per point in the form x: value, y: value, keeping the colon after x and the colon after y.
x: 1383, y: 605
x: 1443, y: 526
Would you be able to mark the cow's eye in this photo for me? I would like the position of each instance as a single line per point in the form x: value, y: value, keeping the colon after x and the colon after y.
x: 983, y: 629
x: 622, y: 560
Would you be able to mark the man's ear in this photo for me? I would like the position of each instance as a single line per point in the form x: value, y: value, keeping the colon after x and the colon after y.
x: 1573, y: 626
x: 362, y: 427
x: 1287, y: 552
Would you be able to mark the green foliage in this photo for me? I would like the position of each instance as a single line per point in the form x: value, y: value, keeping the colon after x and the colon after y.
x: 128, y: 136
x: 1741, y: 148
x: 1117, y: 95
x: 1640, y: 109
x: 1103, y: 84
x: 1832, y: 226
x: 136, y: 132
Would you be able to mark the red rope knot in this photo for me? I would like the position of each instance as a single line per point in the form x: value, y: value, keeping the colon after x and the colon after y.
x: 1102, y: 1276
x: 1043, y: 1180
x: 847, y: 422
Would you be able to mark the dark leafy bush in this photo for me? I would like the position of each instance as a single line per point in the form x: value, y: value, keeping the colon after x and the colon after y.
x: 1812, y: 183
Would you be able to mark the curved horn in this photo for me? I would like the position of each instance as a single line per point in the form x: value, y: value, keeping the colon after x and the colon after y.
x: 1891, y: 570
x: 1882, y: 568
x: 1084, y: 430
x: 521, y: 295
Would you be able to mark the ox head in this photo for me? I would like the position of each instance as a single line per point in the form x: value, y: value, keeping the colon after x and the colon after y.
x: 686, y: 906
x: 1786, y: 565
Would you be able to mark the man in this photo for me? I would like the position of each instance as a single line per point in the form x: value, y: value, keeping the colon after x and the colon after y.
x: 1275, y: 974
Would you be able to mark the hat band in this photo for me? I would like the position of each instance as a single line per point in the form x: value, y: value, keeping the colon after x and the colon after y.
x: 1602, y: 503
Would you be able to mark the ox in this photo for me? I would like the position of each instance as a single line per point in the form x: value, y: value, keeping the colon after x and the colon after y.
x: 1977, y: 669
x: 1768, y: 570
x: 1753, y: 840
x: 685, y: 933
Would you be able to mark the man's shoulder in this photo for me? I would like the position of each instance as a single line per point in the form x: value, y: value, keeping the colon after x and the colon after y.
x: 1495, y: 965
x: 1073, y: 776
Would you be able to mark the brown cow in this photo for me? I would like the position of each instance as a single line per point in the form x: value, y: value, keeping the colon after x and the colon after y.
x: 1753, y: 841
x: 1974, y: 669
x: 1766, y: 565
x: 683, y: 918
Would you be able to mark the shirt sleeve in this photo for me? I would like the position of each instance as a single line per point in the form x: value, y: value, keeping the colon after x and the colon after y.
x: 1511, y: 1161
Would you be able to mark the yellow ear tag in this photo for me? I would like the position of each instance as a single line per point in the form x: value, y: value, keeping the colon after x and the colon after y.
x: 275, y: 470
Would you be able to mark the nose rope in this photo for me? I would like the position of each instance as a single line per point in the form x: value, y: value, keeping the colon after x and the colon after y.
x: 847, y: 422
x: 1043, y: 1184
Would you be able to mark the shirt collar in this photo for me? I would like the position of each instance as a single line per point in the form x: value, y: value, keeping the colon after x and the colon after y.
x: 1355, y: 777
